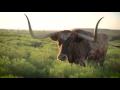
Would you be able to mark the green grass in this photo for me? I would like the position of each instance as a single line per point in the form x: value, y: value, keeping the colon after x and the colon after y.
x: 21, y: 56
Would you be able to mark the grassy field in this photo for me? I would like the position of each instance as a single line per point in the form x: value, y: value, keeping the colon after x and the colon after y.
x: 21, y: 56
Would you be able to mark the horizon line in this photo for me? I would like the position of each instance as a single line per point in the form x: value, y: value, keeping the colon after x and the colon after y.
x: 52, y: 29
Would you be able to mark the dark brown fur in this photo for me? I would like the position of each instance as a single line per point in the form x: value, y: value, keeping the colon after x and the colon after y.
x: 78, y: 49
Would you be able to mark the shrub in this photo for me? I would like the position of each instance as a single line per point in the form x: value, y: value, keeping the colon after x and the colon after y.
x: 36, y: 44
x: 116, y: 37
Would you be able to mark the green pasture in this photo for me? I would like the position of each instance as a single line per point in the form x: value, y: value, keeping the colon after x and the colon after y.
x: 21, y: 56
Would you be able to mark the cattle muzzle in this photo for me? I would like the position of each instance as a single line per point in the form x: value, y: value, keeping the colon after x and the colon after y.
x: 63, y: 57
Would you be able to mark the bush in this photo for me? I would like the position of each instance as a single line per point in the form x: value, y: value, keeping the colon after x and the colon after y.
x: 116, y: 37
x: 36, y: 44
x: 10, y: 76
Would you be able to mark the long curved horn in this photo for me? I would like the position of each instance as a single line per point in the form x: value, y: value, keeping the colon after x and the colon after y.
x: 40, y: 35
x: 95, y: 33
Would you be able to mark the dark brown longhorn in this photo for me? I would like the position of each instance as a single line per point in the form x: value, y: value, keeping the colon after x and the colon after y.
x: 76, y: 45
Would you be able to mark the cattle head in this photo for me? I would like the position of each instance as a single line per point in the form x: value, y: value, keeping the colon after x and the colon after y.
x: 65, y: 39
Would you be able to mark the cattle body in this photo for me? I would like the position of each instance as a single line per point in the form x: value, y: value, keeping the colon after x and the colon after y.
x: 77, y: 45
x: 77, y: 50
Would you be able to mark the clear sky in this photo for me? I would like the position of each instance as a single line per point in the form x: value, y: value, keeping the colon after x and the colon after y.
x: 59, y: 20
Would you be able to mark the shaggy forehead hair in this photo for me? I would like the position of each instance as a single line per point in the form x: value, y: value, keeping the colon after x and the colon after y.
x: 65, y: 35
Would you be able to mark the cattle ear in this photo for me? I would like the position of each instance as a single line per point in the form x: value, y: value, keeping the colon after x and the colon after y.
x: 54, y: 38
x: 78, y: 39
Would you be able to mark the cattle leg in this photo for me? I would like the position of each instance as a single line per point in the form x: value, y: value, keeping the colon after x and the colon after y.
x: 101, y: 61
x: 87, y: 59
x: 82, y: 62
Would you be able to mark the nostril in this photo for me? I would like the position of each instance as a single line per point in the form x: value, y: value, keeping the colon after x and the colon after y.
x: 63, y: 57
x: 59, y: 57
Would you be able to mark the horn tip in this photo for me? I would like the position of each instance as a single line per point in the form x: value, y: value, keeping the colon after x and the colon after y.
x: 102, y: 17
x: 25, y: 14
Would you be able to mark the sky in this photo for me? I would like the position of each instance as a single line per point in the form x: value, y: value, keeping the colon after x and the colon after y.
x: 59, y: 20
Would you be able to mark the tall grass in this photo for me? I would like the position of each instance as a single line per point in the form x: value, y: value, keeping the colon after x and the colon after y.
x: 21, y: 56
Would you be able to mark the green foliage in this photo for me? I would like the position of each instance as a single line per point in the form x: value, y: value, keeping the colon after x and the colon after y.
x: 21, y: 56
x: 10, y: 76
x: 115, y: 37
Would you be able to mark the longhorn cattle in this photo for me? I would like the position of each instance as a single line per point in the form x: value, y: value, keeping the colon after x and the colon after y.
x: 77, y: 45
